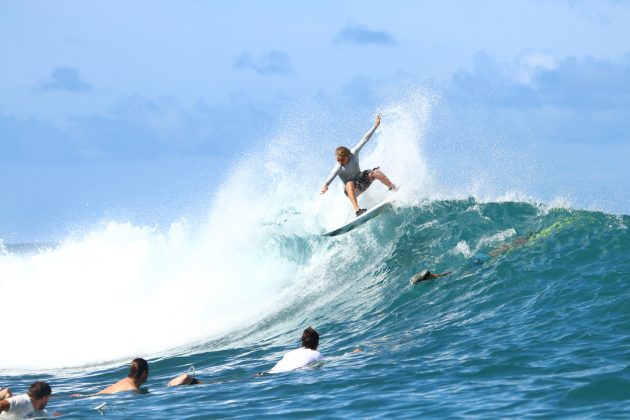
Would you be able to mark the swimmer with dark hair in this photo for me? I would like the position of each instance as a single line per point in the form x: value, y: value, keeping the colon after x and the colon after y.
x: 138, y: 374
x: 31, y: 404
x: 426, y: 275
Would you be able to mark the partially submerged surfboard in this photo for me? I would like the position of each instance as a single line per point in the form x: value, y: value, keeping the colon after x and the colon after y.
x: 368, y: 215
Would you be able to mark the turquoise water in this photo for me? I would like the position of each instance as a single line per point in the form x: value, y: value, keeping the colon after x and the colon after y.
x: 534, y: 321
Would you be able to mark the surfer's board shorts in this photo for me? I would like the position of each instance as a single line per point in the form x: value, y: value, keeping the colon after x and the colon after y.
x: 362, y: 181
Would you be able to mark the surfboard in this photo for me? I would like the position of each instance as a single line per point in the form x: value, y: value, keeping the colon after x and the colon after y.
x: 365, y: 217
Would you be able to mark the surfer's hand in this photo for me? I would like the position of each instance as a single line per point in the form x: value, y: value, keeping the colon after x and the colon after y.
x: 378, y: 120
x: 324, y: 189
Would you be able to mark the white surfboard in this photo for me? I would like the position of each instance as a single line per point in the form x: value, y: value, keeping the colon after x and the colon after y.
x: 368, y: 215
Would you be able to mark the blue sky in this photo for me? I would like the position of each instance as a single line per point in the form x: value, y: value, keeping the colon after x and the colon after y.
x: 105, y: 104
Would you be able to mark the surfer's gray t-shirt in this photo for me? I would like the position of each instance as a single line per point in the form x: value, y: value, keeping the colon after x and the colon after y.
x: 351, y: 170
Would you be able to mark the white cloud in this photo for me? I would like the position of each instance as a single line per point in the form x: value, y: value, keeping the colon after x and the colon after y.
x: 274, y: 62
x: 64, y: 78
x: 532, y: 63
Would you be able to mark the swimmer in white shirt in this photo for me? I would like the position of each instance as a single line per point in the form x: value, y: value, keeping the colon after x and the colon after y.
x: 305, y: 356
x: 31, y: 404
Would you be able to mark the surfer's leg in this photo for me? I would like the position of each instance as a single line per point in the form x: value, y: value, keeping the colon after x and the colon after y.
x: 352, y: 195
x: 377, y: 174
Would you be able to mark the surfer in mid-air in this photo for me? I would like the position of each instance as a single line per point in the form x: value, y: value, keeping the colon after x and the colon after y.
x: 356, y: 181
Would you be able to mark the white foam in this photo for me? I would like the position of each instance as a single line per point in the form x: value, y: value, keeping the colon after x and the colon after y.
x: 463, y: 248
x: 120, y: 290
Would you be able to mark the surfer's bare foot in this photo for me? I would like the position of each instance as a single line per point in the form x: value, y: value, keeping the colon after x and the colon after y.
x: 360, y: 212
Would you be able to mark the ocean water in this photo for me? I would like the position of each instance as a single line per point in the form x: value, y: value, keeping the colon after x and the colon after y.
x: 533, y: 321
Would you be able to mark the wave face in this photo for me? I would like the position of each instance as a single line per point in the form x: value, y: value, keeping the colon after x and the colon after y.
x: 533, y: 319
x: 534, y: 316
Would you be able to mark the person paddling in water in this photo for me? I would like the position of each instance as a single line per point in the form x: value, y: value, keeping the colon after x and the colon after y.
x: 356, y: 181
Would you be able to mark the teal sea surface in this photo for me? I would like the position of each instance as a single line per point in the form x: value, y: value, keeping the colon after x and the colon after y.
x: 533, y: 321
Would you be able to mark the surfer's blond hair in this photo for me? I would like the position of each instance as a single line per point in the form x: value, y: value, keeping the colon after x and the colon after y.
x: 342, y: 151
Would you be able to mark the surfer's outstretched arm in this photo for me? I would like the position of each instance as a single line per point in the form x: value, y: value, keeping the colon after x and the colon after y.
x: 366, y: 136
x: 330, y: 178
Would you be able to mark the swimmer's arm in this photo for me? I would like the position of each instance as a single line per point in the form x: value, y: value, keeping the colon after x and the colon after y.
x: 366, y: 136
x: 434, y: 276
x: 184, y: 379
x: 5, y: 393
x: 330, y: 178
x: 340, y: 357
